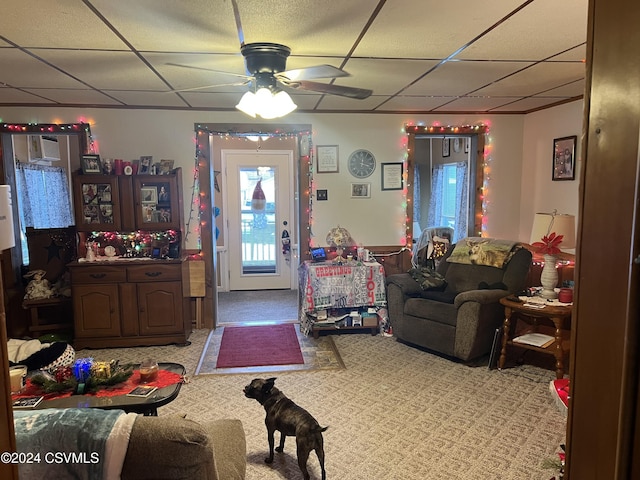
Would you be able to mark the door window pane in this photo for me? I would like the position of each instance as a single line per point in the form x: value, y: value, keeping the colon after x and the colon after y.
x: 257, y: 200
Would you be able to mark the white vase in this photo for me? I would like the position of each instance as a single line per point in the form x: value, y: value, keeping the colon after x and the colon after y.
x: 549, y: 277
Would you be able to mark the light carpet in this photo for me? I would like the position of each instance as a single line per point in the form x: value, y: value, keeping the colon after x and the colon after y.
x: 394, y: 413
x: 317, y: 354
x: 259, y: 345
x: 257, y: 306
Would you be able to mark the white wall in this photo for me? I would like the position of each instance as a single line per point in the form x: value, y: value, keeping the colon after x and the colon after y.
x: 379, y: 220
x: 539, y: 192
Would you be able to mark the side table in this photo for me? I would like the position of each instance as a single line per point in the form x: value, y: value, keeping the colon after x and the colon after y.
x: 559, y: 315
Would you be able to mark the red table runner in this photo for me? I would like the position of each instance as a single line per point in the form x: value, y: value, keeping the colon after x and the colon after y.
x: 165, y: 378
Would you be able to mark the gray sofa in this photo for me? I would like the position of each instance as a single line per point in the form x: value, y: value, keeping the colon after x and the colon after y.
x: 172, y: 447
x: 460, y: 320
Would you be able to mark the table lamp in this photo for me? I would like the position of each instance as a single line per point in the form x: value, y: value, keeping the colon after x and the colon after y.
x: 547, y: 227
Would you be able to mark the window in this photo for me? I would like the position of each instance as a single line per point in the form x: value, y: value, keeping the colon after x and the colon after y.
x: 43, y: 199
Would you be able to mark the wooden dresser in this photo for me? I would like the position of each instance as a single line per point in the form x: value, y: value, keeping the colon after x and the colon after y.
x: 128, y: 303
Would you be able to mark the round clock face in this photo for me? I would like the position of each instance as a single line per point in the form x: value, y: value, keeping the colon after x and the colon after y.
x: 362, y: 163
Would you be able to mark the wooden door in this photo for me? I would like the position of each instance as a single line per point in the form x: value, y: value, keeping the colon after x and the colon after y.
x: 604, y: 431
x: 160, y: 308
x: 96, y: 310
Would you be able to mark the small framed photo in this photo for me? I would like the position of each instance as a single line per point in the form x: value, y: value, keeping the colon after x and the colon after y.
x: 145, y: 165
x: 91, y: 164
x: 360, y: 190
x: 467, y: 144
x: 149, y: 195
x: 446, y: 144
x: 166, y: 166
x: 327, y: 158
x: 391, y: 176
x: 564, y: 157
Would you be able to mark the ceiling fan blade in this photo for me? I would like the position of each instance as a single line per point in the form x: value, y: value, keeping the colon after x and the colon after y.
x: 235, y: 84
x: 208, y: 70
x: 316, y: 71
x: 351, y: 92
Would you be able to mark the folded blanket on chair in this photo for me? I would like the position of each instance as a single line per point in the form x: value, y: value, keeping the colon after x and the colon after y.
x: 483, y: 251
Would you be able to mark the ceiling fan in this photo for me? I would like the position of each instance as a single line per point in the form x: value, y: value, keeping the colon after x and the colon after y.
x: 266, y: 63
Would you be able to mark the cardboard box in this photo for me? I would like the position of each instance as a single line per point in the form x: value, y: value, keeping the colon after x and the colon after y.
x: 193, y: 282
x: 369, y: 320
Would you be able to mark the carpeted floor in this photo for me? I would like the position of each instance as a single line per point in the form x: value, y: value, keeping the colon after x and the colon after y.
x: 318, y: 354
x: 394, y: 413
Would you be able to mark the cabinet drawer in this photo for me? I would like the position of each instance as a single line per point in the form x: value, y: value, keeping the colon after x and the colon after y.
x: 154, y: 273
x: 102, y: 274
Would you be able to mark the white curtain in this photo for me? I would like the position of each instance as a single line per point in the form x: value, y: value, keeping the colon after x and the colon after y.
x: 437, y: 202
x: 43, y: 196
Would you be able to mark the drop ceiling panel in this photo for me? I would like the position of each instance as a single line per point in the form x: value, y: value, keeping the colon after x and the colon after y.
x: 525, y: 104
x: 537, y: 79
x: 45, y: 23
x: 193, y: 26
x: 332, y: 102
x: 75, y: 96
x: 428, y: 29
x: 146, y: 98
x: 573, y: 89
x: 414, y: 103
x: 23, y: 71
x: 13, y: 95
x: 541, y: 29
x: 460, y: 78
x: 473, y: 104
x: 308, y: 27
x: 384, y: 76
x: 97, y: 69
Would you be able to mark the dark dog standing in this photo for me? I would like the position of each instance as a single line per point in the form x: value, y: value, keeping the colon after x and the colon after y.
x: 290, y: 420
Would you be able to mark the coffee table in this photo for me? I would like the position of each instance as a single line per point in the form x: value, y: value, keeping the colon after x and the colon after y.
x: 147, y: 406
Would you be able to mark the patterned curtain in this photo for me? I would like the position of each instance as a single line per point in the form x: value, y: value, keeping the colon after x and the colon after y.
x: 462, y: 201
x: 43, y: 195
x: 437, y: 198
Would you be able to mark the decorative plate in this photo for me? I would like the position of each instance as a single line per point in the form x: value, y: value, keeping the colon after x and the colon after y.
x: 362, y: 163
x: 110, y: 251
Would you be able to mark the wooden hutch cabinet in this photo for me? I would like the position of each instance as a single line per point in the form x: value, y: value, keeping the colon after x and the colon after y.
x: 120, y: 302
x: 139, y: 303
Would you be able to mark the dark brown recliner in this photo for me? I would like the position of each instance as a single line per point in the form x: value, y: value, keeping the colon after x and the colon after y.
x: 461, y: 320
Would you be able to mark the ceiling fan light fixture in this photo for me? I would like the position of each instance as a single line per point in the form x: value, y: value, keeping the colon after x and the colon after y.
x: 266, y: 104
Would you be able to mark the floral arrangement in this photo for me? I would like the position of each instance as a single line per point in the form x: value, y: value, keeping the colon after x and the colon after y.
x: 549, y: 244
x: 557, y: 464
x: 84, y: 376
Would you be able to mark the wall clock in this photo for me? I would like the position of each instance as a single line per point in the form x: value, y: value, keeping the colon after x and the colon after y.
x: 361, y: 163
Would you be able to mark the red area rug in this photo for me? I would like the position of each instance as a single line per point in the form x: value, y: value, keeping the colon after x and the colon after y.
x: 259, y: 346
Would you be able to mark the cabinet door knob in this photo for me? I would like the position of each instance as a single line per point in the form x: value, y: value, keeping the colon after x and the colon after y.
x: 97, y: 275
x: 153, y: 274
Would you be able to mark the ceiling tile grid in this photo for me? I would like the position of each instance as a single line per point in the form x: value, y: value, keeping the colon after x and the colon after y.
x: 507, y: 56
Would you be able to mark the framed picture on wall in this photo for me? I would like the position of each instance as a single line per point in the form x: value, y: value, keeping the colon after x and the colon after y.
x: 91, y: 164
x: 360, y: 190
x: 446, y: 143
x: 391, y: 176
x: 564, y: 157
x: 327, y: 158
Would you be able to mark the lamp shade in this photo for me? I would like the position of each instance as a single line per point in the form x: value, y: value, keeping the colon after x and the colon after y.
x: 266, y: 104
x: 7, y: 239
x: 561, y: 224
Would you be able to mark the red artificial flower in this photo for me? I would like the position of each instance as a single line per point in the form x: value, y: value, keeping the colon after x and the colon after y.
x: 549, y: 244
